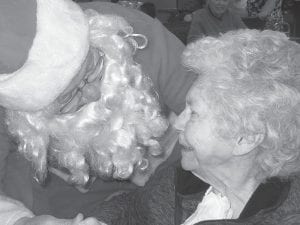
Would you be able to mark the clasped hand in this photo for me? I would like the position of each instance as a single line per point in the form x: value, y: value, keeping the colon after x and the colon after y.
x: 50, y: 220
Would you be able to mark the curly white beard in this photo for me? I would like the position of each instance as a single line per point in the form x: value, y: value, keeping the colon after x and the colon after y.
x: 110, y: 137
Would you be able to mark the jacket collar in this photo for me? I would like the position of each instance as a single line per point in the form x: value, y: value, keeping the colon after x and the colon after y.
x: 268, y: 195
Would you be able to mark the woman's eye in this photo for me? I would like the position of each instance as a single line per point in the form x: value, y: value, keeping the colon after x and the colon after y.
x: 194, y: 114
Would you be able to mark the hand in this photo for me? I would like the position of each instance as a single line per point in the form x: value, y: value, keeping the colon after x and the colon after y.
x: 168, y: 141
x: 91, y: 221
x: 50, y: 220
x: 66, y: 177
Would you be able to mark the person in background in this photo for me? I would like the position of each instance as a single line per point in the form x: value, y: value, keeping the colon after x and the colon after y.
x: 213, y: 20
x: 158, y: 60
x: 268, y: 11
x: 241, y: 136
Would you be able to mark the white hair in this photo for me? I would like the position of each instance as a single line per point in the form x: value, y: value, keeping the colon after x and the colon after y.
x: 108, y: 137
x: 251, y: 82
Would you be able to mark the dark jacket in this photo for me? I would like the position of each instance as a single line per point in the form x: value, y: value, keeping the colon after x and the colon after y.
x: 172, y: 196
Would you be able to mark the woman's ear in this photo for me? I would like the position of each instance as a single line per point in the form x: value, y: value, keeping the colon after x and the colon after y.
x: 245, y: 144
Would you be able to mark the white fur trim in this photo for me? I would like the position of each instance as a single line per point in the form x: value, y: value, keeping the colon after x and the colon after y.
x: 59, y: 48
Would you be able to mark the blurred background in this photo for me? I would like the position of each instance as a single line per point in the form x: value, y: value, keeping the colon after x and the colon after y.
x: 176, y: 14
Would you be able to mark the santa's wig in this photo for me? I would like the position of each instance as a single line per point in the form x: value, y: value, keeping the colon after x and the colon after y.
x: 108, y: 137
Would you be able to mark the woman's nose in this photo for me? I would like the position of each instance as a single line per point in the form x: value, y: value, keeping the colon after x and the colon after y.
x: 182, y: 119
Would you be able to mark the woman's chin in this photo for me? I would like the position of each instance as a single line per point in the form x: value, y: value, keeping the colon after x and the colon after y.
x: 188, y: 160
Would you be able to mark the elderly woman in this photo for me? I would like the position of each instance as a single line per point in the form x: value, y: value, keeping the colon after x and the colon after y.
x: 241, y: 137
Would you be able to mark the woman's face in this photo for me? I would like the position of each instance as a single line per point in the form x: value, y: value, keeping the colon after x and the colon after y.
x: 218, y: 7
x: 202, y: 146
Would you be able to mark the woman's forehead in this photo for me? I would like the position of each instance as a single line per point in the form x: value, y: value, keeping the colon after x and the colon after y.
x: 196, y: 101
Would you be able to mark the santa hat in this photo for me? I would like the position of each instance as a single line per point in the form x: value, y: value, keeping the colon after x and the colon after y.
x: 42, y: 46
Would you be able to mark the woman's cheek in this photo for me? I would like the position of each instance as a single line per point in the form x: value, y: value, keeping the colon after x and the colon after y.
x: 189, y: 136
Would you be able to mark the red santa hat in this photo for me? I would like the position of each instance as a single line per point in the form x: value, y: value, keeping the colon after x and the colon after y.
x: 42, y: 46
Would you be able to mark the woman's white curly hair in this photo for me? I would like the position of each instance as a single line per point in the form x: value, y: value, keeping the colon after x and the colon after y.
x: 109, y: 137
x: 251, y: 82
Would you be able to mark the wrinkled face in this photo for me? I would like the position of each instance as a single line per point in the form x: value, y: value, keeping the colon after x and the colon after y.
x: 202, y: 146
x: 218, y: 7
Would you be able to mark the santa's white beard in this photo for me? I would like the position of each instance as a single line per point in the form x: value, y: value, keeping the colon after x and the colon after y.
x: 110, y: 137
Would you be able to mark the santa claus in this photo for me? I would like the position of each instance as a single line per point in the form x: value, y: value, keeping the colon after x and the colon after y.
x: 78, y: 103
